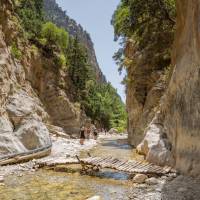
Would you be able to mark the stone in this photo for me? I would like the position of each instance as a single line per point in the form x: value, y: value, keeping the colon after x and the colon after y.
x: 1, y: 179
x: 180, y: 105
x: 152, y: 181
x: 154, y: 146
x: 113, y: 131
x: 94, y: 198
x: 140, y: 178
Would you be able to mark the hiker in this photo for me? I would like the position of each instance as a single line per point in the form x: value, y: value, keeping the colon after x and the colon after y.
x: 87, y: 132
x: 82, y: 135
x: 95, y: 133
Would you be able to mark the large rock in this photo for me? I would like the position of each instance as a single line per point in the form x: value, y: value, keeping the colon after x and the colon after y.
x: 1, y: 179
x: 155, y: 145
x: 181, y: 105
x: 22, y: 115
x: 140, y: 178
x: 144, y: 91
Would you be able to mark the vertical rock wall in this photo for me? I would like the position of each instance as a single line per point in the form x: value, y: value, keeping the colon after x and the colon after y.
x: 173, y: 137
x: 181, y: 105
x: 22, y: 115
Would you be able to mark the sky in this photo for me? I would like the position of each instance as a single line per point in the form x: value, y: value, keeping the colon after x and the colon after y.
x: 95, y: 16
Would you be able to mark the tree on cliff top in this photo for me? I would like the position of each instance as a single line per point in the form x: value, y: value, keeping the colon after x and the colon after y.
x: 150, y: 24
x: 31, y: 16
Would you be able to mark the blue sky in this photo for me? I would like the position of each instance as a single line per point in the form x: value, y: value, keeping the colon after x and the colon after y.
x: 95, y: 17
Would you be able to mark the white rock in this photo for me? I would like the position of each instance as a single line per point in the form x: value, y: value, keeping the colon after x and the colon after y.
x: 113, y: 131
x: 140, y: 178
x: 181, y: 189
x: 152, y: 181
x: 1, y: 179
x: 94, y: 198
x: 154, y: 146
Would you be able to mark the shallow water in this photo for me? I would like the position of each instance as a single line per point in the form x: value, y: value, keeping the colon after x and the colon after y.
x: 50, y: 185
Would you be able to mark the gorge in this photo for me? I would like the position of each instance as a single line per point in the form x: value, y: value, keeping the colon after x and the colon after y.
x: 52, y: 85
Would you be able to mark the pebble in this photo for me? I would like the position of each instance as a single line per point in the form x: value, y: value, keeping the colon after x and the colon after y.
x: 182, y: 189
x: 140, y: 178
x: 94, y: 198
x: 152, y: 181
x: 1, y: 179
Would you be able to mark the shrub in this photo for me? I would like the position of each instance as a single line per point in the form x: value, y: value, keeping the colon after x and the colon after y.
x: 16, y: 53
x: 31, y: 16
x: 60, y: 60
x: 55, y: 36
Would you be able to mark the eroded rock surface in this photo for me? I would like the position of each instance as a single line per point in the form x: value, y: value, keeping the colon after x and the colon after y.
x: 174, y: 137
x: 181, y: 105
x: 22, y: 117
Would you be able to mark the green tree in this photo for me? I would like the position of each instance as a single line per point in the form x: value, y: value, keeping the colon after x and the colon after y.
x: 55, y: 36
x: 150, y: 24
x: 78, y: 67
x: 31, y: 16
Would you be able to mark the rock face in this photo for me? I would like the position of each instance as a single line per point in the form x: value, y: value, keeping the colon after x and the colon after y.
x: 140, y: 178
x: 55, y: 14
x: 34, y: 94
x: 53, y: 87
x: 173, y: 133
x: 155, y: 145
x: 181, y: 105
x: 22, y: 114
x: 144, y: 90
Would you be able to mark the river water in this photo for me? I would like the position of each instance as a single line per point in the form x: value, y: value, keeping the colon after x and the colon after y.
x: 51, y: 185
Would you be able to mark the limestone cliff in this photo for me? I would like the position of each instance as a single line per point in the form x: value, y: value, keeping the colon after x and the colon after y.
x: 22, y: 114
x: 181, y: 104
x: 145, y: 86
x: 55, y: 14
x: 168, y: 115
x: 34, y: 93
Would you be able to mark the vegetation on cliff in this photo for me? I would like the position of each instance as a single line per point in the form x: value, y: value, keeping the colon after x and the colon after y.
x: 150, y: 24
x: 99, y: 101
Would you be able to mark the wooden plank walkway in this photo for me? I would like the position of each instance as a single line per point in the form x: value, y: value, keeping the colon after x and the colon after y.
x: 129, y: 166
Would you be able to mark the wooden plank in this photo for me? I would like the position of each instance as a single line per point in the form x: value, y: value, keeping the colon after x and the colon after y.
x: 127, y: 166
x: 122, y: 163
x: 100, y: 161
x: 123, y: 167
x: 96, y: 160
x: 105, y: 162
x: 116, y: 164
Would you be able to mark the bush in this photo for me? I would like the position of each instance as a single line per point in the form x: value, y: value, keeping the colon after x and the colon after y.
x: 60, y: 60
x: 55, y: 36
x: 31, y: 15
x: 16, y: 53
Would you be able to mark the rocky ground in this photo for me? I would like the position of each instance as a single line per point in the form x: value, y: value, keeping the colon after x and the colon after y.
x: 143, y: 188
x: 167, y: 188
x: 62, y: 148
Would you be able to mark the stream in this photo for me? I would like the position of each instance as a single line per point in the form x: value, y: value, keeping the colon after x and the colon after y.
x: 50, y: 185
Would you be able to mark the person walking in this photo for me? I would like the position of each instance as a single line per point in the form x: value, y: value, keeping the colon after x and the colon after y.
x: 82, y: 135
x: 95, y: 133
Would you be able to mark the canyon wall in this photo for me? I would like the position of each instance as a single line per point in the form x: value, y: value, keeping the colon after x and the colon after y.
x: 169, y: 116
x: 55, y: 14
x: 22, y: 114
x: 35, y: 94
x: 181, y: 104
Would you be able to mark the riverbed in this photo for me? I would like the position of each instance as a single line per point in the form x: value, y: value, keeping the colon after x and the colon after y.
x: 50, y: 185
x: 22, y: 182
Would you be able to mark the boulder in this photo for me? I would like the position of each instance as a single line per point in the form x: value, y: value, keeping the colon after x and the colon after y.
x: 152, y: 181
x: 94, y: 198
x: 113, y: 131
x: 155, y: 145
x: 140, y: 178
x: 1, y: 179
